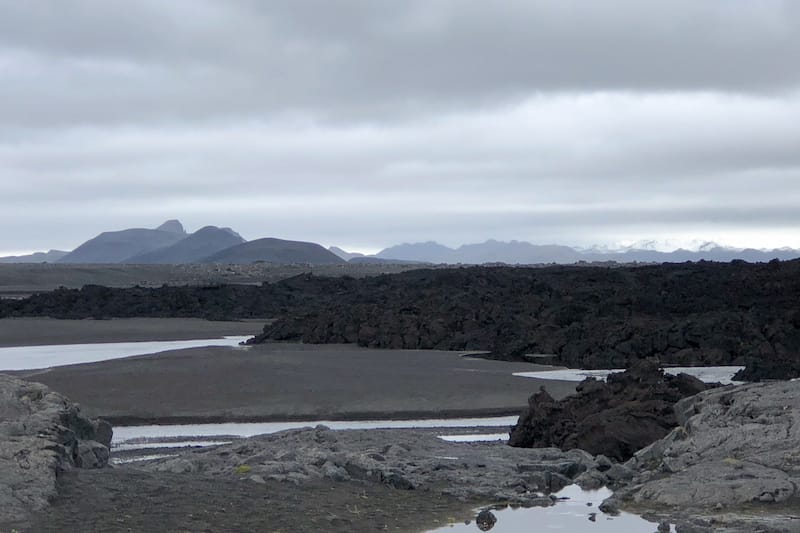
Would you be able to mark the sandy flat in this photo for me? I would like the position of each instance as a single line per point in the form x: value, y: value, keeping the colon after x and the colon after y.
x: 295, y: 382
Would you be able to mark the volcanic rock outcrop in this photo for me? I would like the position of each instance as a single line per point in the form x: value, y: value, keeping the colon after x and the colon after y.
x: 589, y: 317
x: 615, y: 418
x: 41, y: 435
x: 734, y: 454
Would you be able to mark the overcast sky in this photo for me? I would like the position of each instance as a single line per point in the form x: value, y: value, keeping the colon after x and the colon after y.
x: 369, y: 123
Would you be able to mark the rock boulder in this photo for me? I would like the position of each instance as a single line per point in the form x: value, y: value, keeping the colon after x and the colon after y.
x: 735, y: 452
x: 41, y: 435
x: 614, y: 418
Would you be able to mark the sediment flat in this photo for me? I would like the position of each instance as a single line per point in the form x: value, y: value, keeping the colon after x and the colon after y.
x: 287, y: 381
x: 44, y: 331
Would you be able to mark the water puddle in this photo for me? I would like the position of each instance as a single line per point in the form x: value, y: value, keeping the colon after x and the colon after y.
x: 35, y: 357
x: 709, y: 374
x: 576, y: 513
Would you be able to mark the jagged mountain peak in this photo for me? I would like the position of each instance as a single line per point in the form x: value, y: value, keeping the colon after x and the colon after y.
x: 172, y: 226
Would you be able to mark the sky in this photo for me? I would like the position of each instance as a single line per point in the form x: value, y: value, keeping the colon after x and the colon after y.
x: 367, y: 124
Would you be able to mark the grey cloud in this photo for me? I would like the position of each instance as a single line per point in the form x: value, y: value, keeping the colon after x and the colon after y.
x: 371, y: 123
x: 676, y: 145
x: 95, y: 61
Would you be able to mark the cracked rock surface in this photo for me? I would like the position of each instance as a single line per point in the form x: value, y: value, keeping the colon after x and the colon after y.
x: 489, y: 471
x: 735, y: 453
x: 41, y: 434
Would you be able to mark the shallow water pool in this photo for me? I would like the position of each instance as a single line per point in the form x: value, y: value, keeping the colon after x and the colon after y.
x: 577, y: 513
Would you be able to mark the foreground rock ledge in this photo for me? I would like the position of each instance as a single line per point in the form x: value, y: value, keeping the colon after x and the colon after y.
x: 407, y: 460
x: 735, y: 458
x: 41, y: 434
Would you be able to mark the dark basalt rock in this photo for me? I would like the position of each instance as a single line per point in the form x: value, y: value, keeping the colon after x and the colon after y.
x: 590, y: 317
x: 614, y: 418
x: 768, y: 370
x: 485, y: 520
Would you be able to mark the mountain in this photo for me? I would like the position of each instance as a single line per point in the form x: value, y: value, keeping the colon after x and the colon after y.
x: 425, y: 252
x: 514, y: 252
x: 39, y: 257
x: 117, y: 246
x: 275, y: 251
x: 192, y: 249
x: 347, y: 256
x: 715, y: 253
x: 491, y: 251
x: 372, y: 260
x: 518, y: 252
x: 172, y: 226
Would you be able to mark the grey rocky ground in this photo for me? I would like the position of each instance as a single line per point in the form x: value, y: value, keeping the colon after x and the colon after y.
x: 733, y: 463
x: 41, y: 435
x: 405, y: 460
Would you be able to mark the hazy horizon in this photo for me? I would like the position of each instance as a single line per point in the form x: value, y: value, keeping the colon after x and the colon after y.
x: 651, y: 244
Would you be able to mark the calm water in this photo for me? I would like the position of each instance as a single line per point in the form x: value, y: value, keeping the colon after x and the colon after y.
x: 569, y: 516
x: 149, y: 436
x: 34, y: 357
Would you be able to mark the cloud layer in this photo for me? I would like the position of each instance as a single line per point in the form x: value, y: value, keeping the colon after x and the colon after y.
x: 366, y: 124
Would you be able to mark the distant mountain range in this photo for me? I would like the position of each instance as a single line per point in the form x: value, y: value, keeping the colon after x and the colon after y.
x: 39, y: 257
x: 169, y: 243
x: 517, y: 252
x: 194, y: 248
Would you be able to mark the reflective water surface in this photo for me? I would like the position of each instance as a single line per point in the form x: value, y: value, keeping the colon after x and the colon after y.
x: 130, y: 435
x: 577, y: 513
x: 34, y: 357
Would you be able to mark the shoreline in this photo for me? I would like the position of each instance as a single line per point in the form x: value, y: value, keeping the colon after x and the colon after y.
x: 36, y: 331
x: 128, y: 421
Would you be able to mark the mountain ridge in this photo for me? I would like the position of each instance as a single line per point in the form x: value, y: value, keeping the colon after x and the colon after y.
x: 169, y: 243
x: 49, y: 256
x: 117, y: 246
x: 522, y: 252
x: 272, y: 250
x: 195, y: 247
